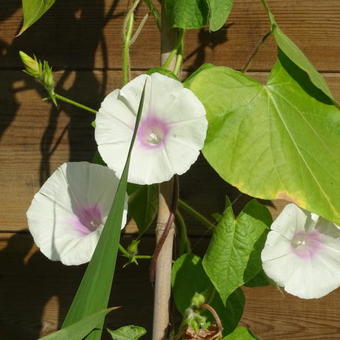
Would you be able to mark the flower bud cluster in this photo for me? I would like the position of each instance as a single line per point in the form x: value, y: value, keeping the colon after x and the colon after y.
x: 41, y: 71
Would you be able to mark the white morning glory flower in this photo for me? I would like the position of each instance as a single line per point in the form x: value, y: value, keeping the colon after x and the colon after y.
x: 171, y: 132
x: 302, y: 253
x: 68, y: 213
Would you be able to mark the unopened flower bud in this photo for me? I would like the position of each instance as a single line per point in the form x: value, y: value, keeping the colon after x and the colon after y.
x: 32, y: 66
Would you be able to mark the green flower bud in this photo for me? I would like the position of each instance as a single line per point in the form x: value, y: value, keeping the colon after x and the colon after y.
x: 32, y: 65
x: 197, y: 300
x: 42, y: 71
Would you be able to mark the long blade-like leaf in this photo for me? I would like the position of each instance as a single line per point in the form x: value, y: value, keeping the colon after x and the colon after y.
x: 81, y: 328
x: 94, y: 290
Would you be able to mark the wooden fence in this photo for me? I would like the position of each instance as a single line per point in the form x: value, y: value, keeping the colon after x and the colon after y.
x: 84, y: 48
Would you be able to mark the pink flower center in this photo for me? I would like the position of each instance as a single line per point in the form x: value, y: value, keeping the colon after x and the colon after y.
x: 152, y: 132
x: 87, y: 219
x: 306, y: 244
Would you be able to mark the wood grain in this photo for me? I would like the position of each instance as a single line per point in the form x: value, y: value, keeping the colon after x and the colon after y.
x: 35, y: 138
x: 35, y: 294
x: 82, y: 39
x: 274, y: 315
x: 81, y: 35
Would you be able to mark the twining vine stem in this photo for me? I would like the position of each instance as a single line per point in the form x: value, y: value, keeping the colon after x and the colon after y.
x: 254, y: 52
x: 70, y: 101
x: 169, y: 39
x: 194, y: 213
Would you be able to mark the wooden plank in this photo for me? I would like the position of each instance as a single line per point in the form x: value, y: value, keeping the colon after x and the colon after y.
x: 274, y: 315
x: 30, y: 149
x: 35, y: 294
x: 76, y: 35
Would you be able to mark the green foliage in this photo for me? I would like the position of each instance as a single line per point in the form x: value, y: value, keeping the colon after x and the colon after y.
x: 188, y: 269
x: 233, y: 255
x: 95, y: 287
x: 143, y: 205
x: 277, y: 140
x: 189, y: 278
x: 127, y: 333
x: 260, y: 280
x: 79, y: 329
x: 241, y: 333
x: 33, y: 11
x: 187, y: 14
x: 218, y: 13
x: 198, y: 13
x: 187, y: 82
x: 295, y: 55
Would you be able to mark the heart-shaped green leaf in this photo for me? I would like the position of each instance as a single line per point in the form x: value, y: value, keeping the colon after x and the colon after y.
x: 33, y: 11
x: 233, y: 255
x: 278, y: 140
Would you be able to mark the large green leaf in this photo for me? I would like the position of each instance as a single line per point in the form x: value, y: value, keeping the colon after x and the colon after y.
x: 241, y: 333
x: 295, y: 54
x: 130, y: 332
x: 188, y: 268
x: 94, y: 290
x: 187, y: 14
x: 79, y: 329
x: 218, y: 13
x: 143, y: 205
x: 233, y: 255
x: 277, y: 140
x: 33, y: 11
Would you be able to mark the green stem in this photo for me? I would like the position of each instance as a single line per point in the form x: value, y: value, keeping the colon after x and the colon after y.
x: 127, y: 34
x: 170, y: 58
x: 184, y: 242
x: 143, y: 257
x: 179, y: 62
x: 177, y: 50
x: 123, y: 251
x: 139, y: 29
x: 126, y: 47
x: 179, y: 58
x: 255, y: 50
x: 154, y: 11
x: 199, y: 217
x: 126, y: 253
x: 70, y: 101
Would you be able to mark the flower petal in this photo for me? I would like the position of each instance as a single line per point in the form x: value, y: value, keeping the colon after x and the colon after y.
x: 164, y: 91
x: 171, y: 132
x: 302, y: 253
x: 314, y: 278
x: 131, y: 93
x: 291, y: 220
x: 185, y: 107
x: 67, y: 215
